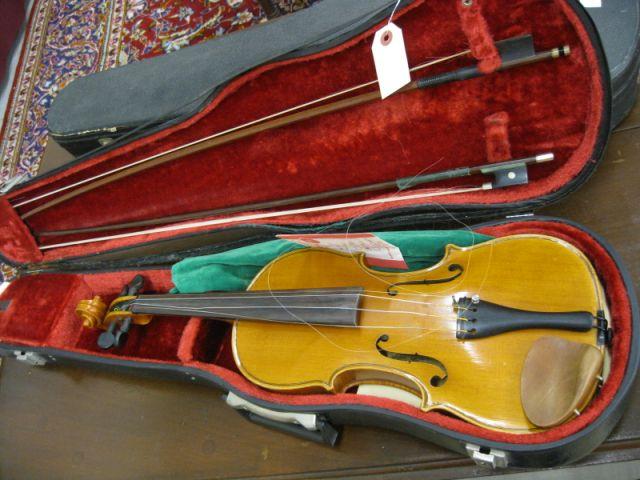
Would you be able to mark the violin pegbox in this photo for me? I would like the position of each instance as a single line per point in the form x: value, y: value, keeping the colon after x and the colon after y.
x: 116, y: 319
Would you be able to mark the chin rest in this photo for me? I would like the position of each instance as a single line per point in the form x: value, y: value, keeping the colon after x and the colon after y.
x: 558, y: 378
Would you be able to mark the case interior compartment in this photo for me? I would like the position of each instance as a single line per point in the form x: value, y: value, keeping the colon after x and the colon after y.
x: 553, y: 106
x: 41, y: 314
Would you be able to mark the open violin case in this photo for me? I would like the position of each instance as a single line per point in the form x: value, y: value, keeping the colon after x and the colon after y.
x: 560, y: 106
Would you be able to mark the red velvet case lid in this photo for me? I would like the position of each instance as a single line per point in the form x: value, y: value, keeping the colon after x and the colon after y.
x: 559, y: 106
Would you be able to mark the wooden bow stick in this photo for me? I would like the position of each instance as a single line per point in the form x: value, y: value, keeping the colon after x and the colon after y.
x: 507, y: 174
x: 277, y: 214
x: 274, y: 120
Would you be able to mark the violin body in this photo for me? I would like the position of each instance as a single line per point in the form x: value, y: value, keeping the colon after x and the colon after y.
x: 403, y: 321
x: 509, y: 334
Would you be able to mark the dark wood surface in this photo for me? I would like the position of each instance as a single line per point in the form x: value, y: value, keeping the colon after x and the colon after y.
x: 66, y: 423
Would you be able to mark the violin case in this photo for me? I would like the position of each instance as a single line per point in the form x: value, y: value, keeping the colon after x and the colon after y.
x: 562, y: 106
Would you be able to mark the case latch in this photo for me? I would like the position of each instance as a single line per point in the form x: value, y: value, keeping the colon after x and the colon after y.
x: 31, y: 358
x: 486, y: 456
x: 309, y: 426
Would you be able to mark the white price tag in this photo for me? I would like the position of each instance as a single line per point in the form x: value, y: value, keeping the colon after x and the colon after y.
x: 378, y: 252
x: 591, y: 3
x: 390, y: 58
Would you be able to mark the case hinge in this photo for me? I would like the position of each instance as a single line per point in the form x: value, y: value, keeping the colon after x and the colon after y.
x: 309, y: 426
x: 31, y: 358
x: 486, y: 456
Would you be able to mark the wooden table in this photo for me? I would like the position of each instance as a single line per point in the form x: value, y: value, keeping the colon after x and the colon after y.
x: 71, y: 423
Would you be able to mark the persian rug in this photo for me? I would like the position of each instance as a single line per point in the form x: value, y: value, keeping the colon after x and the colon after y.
x: 280, y: 7
x: 66, y: 39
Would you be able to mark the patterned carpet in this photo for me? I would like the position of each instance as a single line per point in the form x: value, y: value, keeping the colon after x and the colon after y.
x: 66, y: 39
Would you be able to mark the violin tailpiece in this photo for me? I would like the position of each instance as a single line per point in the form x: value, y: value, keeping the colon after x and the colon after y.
x: 478, y: 319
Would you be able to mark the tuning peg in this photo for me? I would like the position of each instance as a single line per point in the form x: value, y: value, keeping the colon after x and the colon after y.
x: 107, y: 339
x: 118, y: 331
x: 123, y: 332
x: 135, y: 285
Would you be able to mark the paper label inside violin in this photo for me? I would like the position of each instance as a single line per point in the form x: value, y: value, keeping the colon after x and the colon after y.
x: 378, y: 252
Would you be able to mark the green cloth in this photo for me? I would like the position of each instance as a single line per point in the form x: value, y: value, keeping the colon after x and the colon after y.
x: 234, y: 269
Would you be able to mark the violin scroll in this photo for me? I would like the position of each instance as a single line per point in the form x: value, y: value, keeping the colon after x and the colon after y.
x: 92, y: 312
x: 116, y: 320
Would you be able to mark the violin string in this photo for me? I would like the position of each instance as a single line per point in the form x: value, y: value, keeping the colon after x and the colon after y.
x: 275, y: 295
x: 288, y: 308
x: 365, y: 210
x: 411, y: 339
x: 372, y: 273
x: 325, y: 337
x: 328, y: 339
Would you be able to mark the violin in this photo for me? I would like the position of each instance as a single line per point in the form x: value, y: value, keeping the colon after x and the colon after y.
x: 510, y: 334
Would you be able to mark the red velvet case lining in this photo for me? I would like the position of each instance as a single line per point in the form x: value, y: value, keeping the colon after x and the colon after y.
x: 551, y: 106
x: 41, y: 314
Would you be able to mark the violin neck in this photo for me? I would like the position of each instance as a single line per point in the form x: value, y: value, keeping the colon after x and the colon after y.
x: 327, y: 306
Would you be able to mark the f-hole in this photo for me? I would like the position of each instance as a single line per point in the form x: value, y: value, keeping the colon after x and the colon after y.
x: 436, y: 380
x: 454, y: 267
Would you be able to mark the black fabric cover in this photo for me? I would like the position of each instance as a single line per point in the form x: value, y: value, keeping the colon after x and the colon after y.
x: 159, y: 89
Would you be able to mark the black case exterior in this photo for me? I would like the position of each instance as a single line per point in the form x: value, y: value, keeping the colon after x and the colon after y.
x: 618, y: 23
x: 567, y: 450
